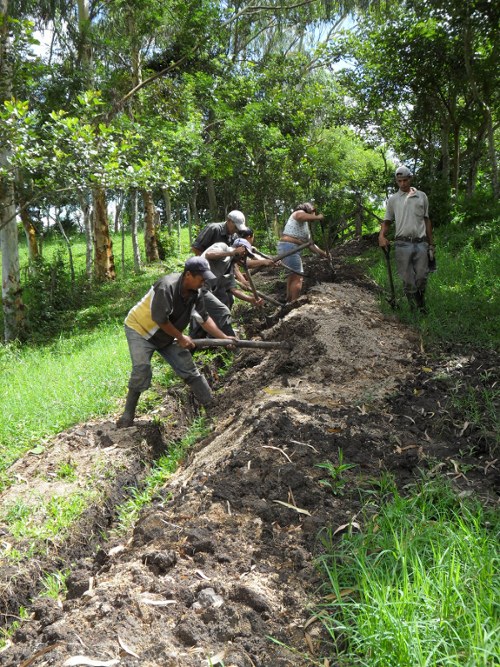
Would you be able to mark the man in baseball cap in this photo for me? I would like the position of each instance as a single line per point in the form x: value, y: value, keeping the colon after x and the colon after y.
x: 219, y: 232
x: 409, y: 210
x: 156, y: 324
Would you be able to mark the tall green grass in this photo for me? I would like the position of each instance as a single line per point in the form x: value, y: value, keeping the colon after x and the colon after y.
x: 419, y: 586
x: 463, y: 296
x: 75, y: 364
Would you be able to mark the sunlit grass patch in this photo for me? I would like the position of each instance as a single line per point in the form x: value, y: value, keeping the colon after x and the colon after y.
x: 418, y: 586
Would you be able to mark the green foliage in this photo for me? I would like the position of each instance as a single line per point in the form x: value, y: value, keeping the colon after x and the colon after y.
x: 462, y: 296
x: 418, y: 585
x: 167, y: 244
x: 336, y: 480
x: 161, y: 471
x: 49, y: 291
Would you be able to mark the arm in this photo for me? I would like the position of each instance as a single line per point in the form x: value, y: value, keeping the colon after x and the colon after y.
x: 428, y: 230
x: 253, y: 263
x: 220, y: 254
x: 211, y: 328
x: 246, y: 297
x: 183, y: 341
x: 317, y: 250
x: 302, y: 216
x: 383, y: 241
x: 240, y: 277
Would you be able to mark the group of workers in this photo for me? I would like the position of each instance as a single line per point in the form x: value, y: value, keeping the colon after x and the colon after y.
x: 201, y: 297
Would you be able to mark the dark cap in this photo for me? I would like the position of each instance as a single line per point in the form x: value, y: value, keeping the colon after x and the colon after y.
x: 199, y: 265
x: 246, y: 244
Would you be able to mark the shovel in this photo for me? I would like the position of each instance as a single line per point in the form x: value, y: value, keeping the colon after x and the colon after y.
x: 392, y: 299
x: 254, y: 344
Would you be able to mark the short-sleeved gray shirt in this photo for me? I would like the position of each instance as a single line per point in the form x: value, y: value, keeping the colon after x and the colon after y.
x: 409, y: 211
x: 215, y: 232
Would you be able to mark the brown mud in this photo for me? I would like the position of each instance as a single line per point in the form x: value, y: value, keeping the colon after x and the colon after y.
x: 220, y: 567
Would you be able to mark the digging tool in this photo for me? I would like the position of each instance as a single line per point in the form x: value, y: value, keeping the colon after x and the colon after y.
x: 277, y: 258
x: 266, y: 297
x: 229, y: 342
x: 392, y: 299
x: 326, y: 241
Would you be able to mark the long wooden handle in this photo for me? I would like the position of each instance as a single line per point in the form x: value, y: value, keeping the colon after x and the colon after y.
x: 277, y: 258
x: 227, y: 342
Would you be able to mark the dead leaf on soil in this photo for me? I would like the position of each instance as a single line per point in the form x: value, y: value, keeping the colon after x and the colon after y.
x: 157, y: 603
x: 351, y: 524
x: 489, y: 464
x: 216, y: 659
x: 126, y: 648
x: 464, y: 428
x: 278, y: 450
x: 400, y: 450
x: 202, y: 575
x: 292, y: 507
x: 309, y: 643
x: 342, y: 594
x: 76, y: 660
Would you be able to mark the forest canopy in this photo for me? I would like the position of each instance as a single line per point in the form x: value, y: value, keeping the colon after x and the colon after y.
x: 175, y: 112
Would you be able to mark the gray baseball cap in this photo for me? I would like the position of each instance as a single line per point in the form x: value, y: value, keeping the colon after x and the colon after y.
x: 403, y: 172
x: 238, y: 219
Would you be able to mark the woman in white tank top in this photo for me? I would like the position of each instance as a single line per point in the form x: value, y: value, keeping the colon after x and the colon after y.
x: 297, y: 232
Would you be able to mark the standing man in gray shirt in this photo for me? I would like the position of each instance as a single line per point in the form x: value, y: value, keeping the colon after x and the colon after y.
x: 409, y: 210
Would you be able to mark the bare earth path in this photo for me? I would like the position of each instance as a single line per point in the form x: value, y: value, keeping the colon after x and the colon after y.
x: 220, y: 568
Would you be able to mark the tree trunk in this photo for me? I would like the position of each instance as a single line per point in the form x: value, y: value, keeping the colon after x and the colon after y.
x: 30, y: 231
x: 150, y: 241
x: 13, y: 308
x: 118, y: 211
x: 103, y: 246
x: 212, y: 199
x: 168, y: 209
x: 134, y: 206
x: 89, y: 237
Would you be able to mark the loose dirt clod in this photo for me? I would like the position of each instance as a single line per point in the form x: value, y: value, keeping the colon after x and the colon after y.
x: 223, y: 560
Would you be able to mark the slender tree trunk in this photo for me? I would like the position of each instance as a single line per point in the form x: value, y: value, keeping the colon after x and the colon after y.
x: 134, y: 209
x: 103, y: 246
x: 31, y: 235
x: 168, y: 209
x: 68, y: 245
x: 89, y: 237
x: 212, y: 199
x: 12, y: 303
x: 118, y: 211
x: 150, y: 241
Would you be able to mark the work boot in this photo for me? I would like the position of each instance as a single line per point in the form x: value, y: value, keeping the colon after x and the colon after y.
x: 412, y: 300
x: 127, y: 418
x: 420, y: 299
x: 201, y: 390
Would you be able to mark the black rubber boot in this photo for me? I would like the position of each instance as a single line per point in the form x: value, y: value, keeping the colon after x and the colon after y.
x: 420, y: 299
x: 201, y: 390
x: 127, y: 418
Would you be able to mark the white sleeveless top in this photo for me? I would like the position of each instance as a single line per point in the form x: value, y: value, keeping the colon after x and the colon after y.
x: 298, y: 229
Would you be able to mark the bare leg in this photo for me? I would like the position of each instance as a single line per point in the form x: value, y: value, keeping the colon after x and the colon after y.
x: 293, y: 287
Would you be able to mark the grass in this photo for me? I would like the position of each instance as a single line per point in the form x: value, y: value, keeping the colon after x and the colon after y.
x: 162, y: 469
x: 463, y: 297
x: 419, y: 586
x: 75, y: 365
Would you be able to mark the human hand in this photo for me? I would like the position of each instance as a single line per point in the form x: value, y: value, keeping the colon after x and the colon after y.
x: 383, y: 241
x: 186, y: 342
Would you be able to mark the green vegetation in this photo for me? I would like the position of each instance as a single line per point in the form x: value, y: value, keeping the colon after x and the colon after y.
x: 336, y: 480
x: 161, y: 471
x: 463, y: 297
x: 418, y: 586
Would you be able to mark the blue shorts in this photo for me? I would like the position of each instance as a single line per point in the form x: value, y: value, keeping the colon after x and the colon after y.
x: 292, y: 263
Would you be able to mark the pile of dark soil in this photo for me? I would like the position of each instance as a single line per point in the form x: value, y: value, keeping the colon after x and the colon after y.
x: 220, y: 568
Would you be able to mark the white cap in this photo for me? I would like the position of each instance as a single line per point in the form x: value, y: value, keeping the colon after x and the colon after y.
x: 403, y: 172
x: 238, y: 219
